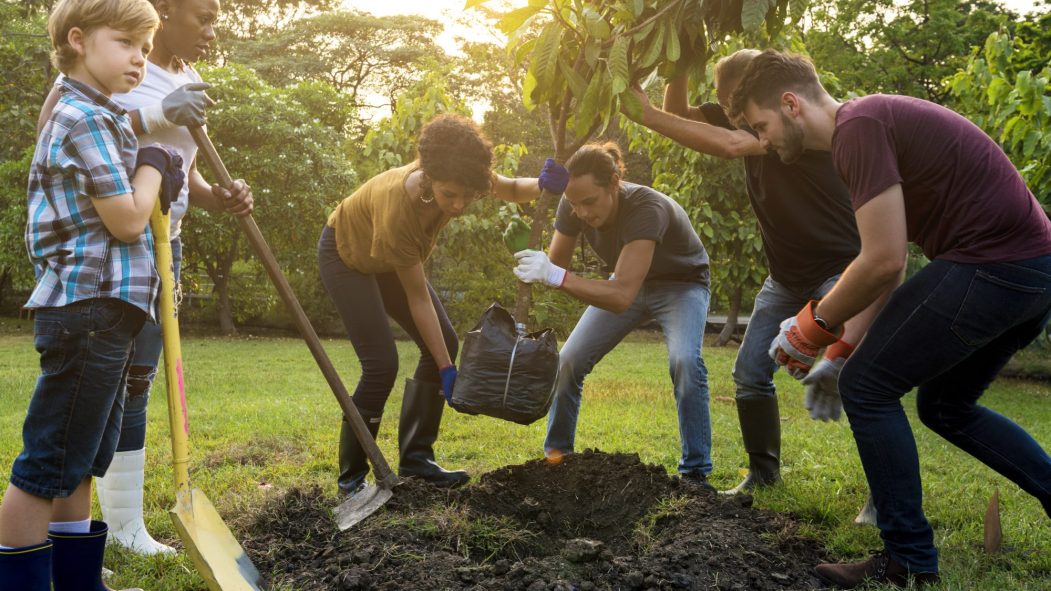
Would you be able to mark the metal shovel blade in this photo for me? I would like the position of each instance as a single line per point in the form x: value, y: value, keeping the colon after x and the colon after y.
x: 218, y: 557
x: 363, y: 503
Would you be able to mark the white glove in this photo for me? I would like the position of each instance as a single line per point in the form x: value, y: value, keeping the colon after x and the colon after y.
x: 822, y: 390
x: 534, y: 267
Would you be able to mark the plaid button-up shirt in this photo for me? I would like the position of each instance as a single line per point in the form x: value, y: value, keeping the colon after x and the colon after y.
x: 85, y: 151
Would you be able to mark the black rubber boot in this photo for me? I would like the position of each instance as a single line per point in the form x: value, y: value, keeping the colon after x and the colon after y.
x: 421, y: 415
x: 26, y: 569
x: 761, y: 432
x: 353, y: 463
x: 76, y: 563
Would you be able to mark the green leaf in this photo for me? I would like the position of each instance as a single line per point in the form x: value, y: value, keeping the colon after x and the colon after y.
x: 631, y: 105
x: 672, y: 51
x: 753, y: 12
x: 514, y: 20
x: 618, y: 64
x: 596, y: 25
x: 589, y: 106
x: 654, y: 49
x: 637, y: 7
x: 544, y: 61
x: 528, y: 88
x: 577, y: 84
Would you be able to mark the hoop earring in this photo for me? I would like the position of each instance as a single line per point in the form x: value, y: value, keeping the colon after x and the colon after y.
x: 426, y: 190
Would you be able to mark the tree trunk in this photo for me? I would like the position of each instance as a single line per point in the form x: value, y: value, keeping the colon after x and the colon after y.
x: 224, y: 310
x: 731, y: 319
x: 524, y: 298
x: 5, y: 280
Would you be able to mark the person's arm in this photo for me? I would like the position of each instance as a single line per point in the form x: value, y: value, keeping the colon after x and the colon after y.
x: 697, y: 135
x: 677, y: 100
x: 516, y: 190
x: 215, y: 198
x: 126, y: 216
x: 424, y: 316
x: 619, y: 293
x: 878, y: 268
x: 553, y: 177
x: 560, y: 252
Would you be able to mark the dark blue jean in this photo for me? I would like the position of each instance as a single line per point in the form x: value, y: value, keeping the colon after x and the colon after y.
x: 143, y: 372
x: 948, y: 331
x: 71, y: 427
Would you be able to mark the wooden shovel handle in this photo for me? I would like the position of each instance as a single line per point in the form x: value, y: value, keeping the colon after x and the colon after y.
x: 384, y: 476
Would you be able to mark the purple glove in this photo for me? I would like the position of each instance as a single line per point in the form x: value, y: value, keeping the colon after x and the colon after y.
x: 553, y: 177
x: 448, y: 375
x: 168, y: 162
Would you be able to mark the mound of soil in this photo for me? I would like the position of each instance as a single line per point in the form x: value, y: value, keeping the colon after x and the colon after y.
x: 595, y: 521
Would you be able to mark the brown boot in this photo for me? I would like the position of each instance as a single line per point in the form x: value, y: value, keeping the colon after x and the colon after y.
x: 879, y: 569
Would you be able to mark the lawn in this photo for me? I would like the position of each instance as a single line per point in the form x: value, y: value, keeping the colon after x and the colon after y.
x: 262, y: 420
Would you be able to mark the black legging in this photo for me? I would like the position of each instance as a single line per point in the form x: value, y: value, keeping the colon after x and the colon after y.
x: 364, y: 301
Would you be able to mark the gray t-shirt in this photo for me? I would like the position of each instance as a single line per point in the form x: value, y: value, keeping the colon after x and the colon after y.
x: 645, y: 214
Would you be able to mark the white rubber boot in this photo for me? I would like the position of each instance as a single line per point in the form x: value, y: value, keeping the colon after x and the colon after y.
x: 120, y: 496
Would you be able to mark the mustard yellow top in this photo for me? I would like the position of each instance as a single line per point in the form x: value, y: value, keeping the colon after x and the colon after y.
x: 380, y: 227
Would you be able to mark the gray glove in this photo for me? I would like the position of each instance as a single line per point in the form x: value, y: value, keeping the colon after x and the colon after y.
x: 186, y: 105
x: 822, y: 390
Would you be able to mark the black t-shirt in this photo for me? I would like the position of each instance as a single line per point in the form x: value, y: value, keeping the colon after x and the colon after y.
x: 644, y: 214
x: 804, y: 212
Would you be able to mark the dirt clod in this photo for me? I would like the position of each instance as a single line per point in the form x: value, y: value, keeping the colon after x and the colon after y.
x: 595, y: 521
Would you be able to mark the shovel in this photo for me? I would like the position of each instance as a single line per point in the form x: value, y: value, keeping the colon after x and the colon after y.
x: 367, y: 500
x: 218, y: 557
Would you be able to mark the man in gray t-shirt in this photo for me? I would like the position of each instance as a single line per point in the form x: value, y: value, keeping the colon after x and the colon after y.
x: 660, y: 271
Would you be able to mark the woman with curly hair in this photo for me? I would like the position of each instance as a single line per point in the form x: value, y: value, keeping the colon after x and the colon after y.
x: 371, y: 256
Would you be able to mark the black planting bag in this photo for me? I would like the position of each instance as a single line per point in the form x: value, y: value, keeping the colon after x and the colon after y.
x: 505, y: 375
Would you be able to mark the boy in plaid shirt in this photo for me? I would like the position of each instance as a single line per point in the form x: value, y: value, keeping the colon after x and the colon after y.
x: 91, y: 192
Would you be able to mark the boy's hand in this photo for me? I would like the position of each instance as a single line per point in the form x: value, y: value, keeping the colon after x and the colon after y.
x: 168, y: 162
x: 237, y: 201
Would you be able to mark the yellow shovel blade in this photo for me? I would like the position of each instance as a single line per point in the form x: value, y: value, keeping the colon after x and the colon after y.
x: 216, y: 554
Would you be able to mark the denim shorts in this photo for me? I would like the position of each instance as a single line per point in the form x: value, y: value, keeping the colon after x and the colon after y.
x: 74, y: 416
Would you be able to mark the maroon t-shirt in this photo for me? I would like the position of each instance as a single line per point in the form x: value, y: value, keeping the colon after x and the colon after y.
x: 964, y: 200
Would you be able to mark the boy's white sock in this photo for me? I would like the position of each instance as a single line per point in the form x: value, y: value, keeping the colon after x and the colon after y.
x: 70, y: 527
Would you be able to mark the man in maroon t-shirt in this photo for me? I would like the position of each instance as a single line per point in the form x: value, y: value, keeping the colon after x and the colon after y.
x: 922, y: 173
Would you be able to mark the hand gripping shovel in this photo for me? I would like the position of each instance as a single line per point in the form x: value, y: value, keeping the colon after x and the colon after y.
x: 218, y: 557
x: 364, y: 502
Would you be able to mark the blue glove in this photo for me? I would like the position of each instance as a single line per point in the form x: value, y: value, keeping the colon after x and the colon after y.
x: 553, y: 177
x: 168, y: 162
x: 448, y: 375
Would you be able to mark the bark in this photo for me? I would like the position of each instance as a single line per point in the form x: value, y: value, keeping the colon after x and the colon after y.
x: 731, y: 319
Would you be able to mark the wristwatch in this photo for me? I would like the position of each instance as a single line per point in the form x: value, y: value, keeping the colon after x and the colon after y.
x: 819, y: 320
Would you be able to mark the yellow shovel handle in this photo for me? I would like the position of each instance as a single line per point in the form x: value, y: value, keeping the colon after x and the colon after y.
x: 178, y: 417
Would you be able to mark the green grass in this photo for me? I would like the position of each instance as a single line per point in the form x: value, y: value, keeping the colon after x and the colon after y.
x: 263, y: 420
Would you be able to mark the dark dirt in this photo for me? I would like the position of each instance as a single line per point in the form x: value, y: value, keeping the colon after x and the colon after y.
x: 595, y: 521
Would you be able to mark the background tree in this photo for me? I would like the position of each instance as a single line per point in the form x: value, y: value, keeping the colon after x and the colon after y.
x: 1012, y: 105
x: 889, y: 46
x: 370, y: 60
x: 253, y: 125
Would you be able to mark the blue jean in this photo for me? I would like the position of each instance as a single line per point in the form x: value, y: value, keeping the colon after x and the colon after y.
x: 71, y: 428
x: 144, y: 362
x: 947, y: 331
x: 754, y: 369
x: 681, y: 309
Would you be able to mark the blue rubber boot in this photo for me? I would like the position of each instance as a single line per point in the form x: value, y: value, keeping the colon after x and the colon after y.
x: 78, y: 559
x: 26, y: 569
